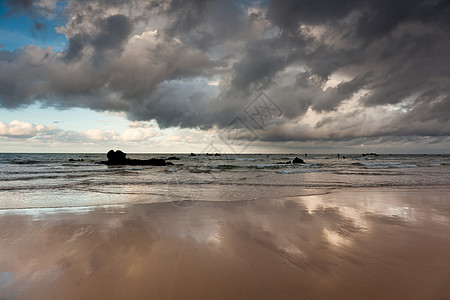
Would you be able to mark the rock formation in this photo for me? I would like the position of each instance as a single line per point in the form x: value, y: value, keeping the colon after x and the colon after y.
x: 298, y: 161
x: 119, y: 158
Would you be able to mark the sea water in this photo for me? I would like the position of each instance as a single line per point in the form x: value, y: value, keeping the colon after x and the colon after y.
x: 77, y: 180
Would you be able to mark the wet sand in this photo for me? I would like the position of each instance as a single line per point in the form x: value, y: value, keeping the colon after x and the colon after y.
x: 350, y: 244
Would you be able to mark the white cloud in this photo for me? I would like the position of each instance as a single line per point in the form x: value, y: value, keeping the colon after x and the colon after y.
x: 100, y: 135
x: 21, y: 129
x: 139, y: 134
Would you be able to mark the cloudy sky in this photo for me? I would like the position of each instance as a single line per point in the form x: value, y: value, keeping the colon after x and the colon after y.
x: 290, y: 76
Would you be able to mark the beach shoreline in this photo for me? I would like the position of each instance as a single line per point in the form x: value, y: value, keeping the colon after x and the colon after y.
x: 370, y: 243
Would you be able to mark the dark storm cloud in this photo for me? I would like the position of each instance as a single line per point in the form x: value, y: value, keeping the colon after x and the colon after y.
x: 332, y: 97
x: 289, y: 14
x: 176, y: 103
x: 382, y: 17
x: 374, y: 18
x: 425, y: 112
x: 205, y: 23
x: 187, y: 15
x: 258, y: 66
x: 397, y: 56
x: 153, y: 60
x: 114, y: 32
x: 75, y: 46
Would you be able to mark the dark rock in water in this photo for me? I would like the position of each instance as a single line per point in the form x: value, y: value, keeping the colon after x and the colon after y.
x: 119, y: 158
x: 173, y: 158
x: 192, y: 154
x: 116, y: 156
x: 298, y: 161
x: 71, y: 159
x: 369, y: 154
x: 208, y: 154
x: 283, y: 163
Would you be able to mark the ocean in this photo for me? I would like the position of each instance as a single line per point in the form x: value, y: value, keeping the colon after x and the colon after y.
x: 31, y: 181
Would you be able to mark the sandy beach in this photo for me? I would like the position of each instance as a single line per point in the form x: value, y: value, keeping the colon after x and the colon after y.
x: 348, y: 244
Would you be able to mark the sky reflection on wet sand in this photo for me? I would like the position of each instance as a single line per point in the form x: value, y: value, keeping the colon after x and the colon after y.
x: 343, y: 244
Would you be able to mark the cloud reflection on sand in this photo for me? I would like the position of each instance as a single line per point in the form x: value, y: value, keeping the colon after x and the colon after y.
x: 314, y: 246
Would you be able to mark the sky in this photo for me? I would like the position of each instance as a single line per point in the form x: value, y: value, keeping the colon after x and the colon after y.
x: 294, y: 76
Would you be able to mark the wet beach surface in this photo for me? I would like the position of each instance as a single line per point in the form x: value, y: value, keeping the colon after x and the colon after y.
x: 379, y: 243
